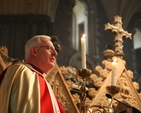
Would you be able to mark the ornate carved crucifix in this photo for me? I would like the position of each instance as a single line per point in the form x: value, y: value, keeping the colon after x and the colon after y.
x: 119, y: 33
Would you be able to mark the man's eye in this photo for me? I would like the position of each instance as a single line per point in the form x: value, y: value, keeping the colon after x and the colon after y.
x: 49, y: 48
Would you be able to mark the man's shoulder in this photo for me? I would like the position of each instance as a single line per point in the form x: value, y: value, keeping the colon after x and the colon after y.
x: 14, y: 70
x: 11, y: 69
x: 19, y: 71
x: 23, y: 67
x: 20, y: 67
x: 17, y: 65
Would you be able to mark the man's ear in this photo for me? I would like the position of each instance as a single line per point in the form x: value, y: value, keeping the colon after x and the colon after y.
x: 33, y: 51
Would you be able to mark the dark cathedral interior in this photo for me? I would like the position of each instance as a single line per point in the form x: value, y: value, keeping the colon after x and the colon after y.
x: 66, y: 21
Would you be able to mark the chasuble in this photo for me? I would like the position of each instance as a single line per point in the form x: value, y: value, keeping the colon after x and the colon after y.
x: 25, y: 90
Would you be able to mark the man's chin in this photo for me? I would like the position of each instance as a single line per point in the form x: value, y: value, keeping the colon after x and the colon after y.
x: 52, y: 65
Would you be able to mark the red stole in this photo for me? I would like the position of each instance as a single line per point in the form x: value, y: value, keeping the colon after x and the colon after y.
x: 46, y: 104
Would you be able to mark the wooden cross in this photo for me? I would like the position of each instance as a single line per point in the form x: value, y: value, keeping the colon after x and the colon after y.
x: 119, y: 33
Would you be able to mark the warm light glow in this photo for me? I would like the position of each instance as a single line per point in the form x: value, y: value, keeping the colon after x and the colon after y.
x: 109, y: 99
x: 89, y: 110
x: 83, y: 36
x: 83, y: 51
x: 115, y: 60
x: 114, y: 71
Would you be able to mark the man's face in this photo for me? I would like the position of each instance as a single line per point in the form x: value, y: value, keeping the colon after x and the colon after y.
x: 45, y: 55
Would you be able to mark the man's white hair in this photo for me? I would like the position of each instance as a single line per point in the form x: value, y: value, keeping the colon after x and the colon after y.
x: 33, y: 42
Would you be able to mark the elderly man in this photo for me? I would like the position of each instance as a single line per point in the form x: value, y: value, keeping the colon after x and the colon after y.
x: 23, y: 88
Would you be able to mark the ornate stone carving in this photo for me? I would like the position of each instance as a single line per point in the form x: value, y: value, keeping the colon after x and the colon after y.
x: 4, y: 62
x: 96, y: 93
x: 62, y: 88
x: 119, y: 33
